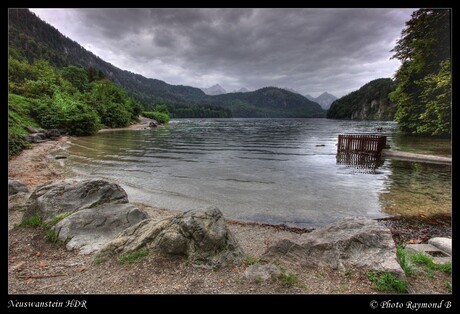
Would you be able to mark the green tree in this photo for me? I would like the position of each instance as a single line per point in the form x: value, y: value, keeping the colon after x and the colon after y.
x: 77, y: 76
x: 423, y: 92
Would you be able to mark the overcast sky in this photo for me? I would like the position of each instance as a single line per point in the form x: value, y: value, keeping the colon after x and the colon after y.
x: 309, y: 50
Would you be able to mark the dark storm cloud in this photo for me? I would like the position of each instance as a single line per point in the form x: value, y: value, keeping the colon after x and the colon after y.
x: 310, y: 50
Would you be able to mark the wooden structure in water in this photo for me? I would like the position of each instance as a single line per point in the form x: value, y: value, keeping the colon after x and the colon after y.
x: 365, y: 144
x: 362, y: 151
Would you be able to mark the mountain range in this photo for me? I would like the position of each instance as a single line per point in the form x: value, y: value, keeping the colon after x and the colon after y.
x: 219, y: 90
x: 35, y: 39
x: 214, y: 90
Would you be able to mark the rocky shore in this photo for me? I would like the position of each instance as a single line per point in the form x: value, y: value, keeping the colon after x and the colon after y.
x: 195, y: 252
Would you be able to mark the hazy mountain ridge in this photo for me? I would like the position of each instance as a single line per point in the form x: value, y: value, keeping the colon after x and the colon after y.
x: 214, y: 90
x: 324, y: 100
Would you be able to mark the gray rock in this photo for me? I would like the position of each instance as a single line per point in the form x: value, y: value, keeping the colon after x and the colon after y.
x: 259, y: 272
x: 444, y: 244
x: 35, y: 137
x: 18, y: 201
x: 53, y: 133
x: 352, y: 242
x: 88, y: 229
x: 201, y: 236
x: 15, y: 186
x: 64, y: 196
x: 153, y: 124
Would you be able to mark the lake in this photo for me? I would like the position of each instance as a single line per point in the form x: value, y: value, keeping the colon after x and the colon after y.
x: 281, y: 171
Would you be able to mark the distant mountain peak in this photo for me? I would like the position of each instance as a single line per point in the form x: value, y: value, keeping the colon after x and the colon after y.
x: 325, y: 99
x: 216, y: 89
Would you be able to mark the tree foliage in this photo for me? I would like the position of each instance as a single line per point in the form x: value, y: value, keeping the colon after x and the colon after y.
x: 423, y: 92
x: 72, y: 98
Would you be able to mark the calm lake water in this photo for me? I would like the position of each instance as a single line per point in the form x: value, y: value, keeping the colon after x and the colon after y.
x: 265, y: 170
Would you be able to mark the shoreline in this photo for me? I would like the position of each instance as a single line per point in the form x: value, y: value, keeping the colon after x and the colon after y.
x: 37, y: 166
x: 142, y: 124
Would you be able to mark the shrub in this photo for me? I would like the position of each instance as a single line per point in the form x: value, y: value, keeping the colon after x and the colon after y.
x: 160, y: 117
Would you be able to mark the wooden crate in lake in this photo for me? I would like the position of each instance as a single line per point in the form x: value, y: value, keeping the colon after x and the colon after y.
x: 368, y: 144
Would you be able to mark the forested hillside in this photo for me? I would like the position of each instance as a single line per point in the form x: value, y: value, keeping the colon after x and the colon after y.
x: 77, y: 100
x: 370, y: 102
x: 35, y: 39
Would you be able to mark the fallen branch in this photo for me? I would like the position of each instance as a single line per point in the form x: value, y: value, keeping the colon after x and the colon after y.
x: 40, y: 276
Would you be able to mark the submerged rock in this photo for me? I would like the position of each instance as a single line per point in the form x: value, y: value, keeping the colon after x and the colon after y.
x: 153, y: 124
x: 65, y: 196
x: 202, y: 236
x: 352, y: 242
x: 89, y: 229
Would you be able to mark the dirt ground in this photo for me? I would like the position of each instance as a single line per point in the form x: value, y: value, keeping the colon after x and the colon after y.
x: 36, y: 266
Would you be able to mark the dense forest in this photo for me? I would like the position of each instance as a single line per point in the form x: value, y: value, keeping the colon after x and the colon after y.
x: 370, y: 102
x: 270, y: 102
x: 424, y: 80
x: 35, y: 39
x: 78, y: 100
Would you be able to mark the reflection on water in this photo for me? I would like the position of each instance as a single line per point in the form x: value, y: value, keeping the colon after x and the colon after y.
x: 417, y: 189
x: 266, y: 170
x: 422, y: 145
x: 364, y: 163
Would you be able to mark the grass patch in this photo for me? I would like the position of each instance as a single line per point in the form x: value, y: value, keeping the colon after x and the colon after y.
x: 51, y: 236
x: 250, y: 260
x: 448, y: 286
x: 402, y: 258
x: 97, y: 260
x: 133, y: 257
x: 384, y: 281
x: 322, y: 274
x: 288, y: 279
x: 34, y: 221
x: 348, y: 272
x: 57, y: 219
x: 422, y: 259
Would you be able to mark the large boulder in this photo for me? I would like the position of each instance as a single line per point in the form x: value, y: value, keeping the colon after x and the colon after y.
x: 352, y: 242
x: 53, y: 133
x: 65, y: 196
x: 88, y: 229
x: 202, y: 236
x: 35, y: 137
x: 15, y: 186
x: 444, y: 244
